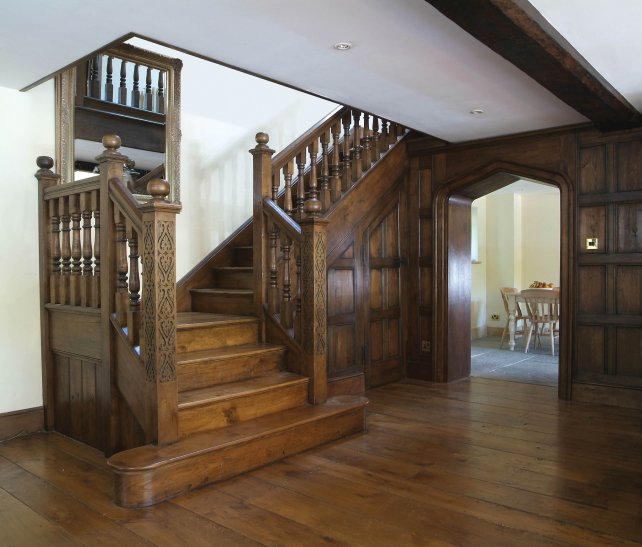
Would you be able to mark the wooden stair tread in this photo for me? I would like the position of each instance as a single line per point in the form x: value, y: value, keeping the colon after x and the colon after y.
x: 232, y: 269
x: 225, y: 292
x: 241, y: 388
x: 226, y: 352
x: 151, y: 456
x: 200, y: 319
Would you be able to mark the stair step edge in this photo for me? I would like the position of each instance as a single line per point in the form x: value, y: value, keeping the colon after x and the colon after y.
x: 237, y: 434
x: 226, y: 352
x: 225, y: 292
x: 216, y: 320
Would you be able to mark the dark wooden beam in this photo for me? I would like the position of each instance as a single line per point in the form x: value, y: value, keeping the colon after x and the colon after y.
x: 518, y: 32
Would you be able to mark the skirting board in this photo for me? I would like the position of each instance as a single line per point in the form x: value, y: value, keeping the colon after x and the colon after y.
x: 21, y: 422
x: 607, y: 395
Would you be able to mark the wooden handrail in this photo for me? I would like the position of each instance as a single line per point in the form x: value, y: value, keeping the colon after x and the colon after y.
x: 126, y: 202
x: 156, y: 172
x: 285, y: 222
x: 63, y: 190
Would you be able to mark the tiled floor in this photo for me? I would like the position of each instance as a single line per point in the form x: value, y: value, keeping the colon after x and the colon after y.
x: 537, y: 366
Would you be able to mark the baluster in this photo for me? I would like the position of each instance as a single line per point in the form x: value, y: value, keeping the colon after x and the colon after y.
x: 376, y: 151
x: 385, y: 141
x: 87, y: 251
x: 312, y: 204
x: 76, y: 251
x: 335, y: 165
x: 136, y: 90
x: 95, y: 207
x: 133, y: 313
x: 392, y: 134
x: 366, y: 140
x: 54, y: 283
x: 65, y: 219
x: 121, y: 268
x: 273, y: 287
x: 122, y: 89
x: 109, y: 84
x: 346, y: 182
x: 357, y: 167
x: 161, y: 93
x: 286, y: 298
x: 276, y: 183
x: 300, y: 189
x: 325, y: 172
x: 287, y: 178
x: 93, y: 89
x: 297, y: 303
x: 149, y: 97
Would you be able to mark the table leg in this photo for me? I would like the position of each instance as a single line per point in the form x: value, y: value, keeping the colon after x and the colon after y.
x: 512, y: 303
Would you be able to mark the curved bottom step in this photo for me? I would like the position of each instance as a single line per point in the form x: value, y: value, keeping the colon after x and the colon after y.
x: 150, y: 474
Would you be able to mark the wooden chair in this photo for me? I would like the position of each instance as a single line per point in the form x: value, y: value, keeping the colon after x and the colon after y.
x: 543, y: 309
x: 519, y: 316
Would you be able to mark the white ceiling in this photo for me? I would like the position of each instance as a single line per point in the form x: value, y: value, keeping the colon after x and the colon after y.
x: 409, y: 63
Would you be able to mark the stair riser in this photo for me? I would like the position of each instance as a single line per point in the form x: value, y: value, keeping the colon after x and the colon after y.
x: 243, y: 256
x: 220, y: 371
x: 225, y: 279
x: 225, y: 304
x: 144, y: 487
x: 216, y: 415
x: 216, y: 336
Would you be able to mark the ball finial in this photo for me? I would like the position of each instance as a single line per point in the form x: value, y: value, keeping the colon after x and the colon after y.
x: 262, y: 138
x: 44, y: 162
x: 158, y: 189
x: 111, y: 142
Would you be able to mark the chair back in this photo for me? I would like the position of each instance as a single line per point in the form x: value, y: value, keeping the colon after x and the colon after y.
x: 506, y: 291
x: 542, y: 305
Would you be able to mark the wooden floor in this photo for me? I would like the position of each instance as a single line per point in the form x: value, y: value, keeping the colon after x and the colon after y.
x: 477, y: 462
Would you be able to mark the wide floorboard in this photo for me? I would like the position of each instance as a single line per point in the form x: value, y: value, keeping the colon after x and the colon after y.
x: 477, y: 462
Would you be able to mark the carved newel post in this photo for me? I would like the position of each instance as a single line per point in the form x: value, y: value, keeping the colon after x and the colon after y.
x: 158, y: 329
x: 49, y: 242
x: 262, y: 183
x: 314, y: 298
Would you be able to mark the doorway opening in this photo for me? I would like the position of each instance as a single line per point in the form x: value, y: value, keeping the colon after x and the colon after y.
x: 515, y: 245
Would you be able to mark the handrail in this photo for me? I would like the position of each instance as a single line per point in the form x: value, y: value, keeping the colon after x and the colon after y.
x: 69, y: 189
x: 156, y: 172
x: 285, y: 222
x: 126, y: 202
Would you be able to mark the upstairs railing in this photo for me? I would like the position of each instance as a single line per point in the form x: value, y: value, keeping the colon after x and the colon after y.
x: 292, y: 192
x: 101, y: 249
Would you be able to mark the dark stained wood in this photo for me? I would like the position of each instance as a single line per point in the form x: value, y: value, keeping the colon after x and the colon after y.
x: 518, y: 32
x: 474, y: 461
x: 21, y: 422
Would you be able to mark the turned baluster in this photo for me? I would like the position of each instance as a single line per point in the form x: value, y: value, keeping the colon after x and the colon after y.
x: 54, y: 283
x: 300, y: 188
x: 273, y: 287
x: 312, y: 204
x: 392, y: 134
x: 136, y: 89
x: 335, y: 165
x: 133, y: 313
x: 109, y: 83
x: 122, y: 89
x: 95, y: 201
x: 366, y: 143
x: 65, y: 219
x: 120, y: 240
x: 286, y: 298
x: 288, y: 168
x: 357, y: 167
x: 93, y: 89
x: 76, y: 251
x: 297, y: 299
x: 385, y: 141
x: 346, y: 182
x: 149, y: 97
x: 276, y: 183
x: 160, y: 108
x: 87, y: 250
x: 324, y: 179
x: 376, y: 151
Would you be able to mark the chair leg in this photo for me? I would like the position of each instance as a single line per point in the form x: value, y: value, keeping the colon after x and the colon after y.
x: 552, y: 332
x: 528, y: 339
x: 501, y: 343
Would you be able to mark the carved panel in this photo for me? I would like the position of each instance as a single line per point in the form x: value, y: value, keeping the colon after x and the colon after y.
x: 593, y: 170
x: 313, y: 281
x: 629, y: 228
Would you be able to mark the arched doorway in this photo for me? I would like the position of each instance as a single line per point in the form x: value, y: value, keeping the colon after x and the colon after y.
x: 451, y: 359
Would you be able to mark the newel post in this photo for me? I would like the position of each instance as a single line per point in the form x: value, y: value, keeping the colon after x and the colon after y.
x: 314, y: 300
x: 262, y: 185
x: 47, y: 228
x: 158, y: 328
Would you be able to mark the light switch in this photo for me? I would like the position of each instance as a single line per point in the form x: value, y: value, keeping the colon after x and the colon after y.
x: 591, y: 243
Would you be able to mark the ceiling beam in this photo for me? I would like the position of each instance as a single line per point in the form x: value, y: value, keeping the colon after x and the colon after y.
x: 515, y: 30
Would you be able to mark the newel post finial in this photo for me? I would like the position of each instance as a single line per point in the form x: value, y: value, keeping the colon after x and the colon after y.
x: 261, y: 140
x: 159, y: 190
x: 45, y: 163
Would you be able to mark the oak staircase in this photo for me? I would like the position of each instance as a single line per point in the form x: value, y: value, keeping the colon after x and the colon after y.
x: 227, y: 371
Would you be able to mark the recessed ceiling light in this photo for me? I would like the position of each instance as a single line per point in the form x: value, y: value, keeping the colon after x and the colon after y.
x: 342, y: 46
x: 476, y: 111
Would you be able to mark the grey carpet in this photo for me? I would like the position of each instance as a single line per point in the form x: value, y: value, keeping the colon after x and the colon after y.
x: 537, y: 366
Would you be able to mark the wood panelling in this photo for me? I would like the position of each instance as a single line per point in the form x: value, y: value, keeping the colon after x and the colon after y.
x: 592, y: 223
x: 629, y: 228
x: 591, y: 352
x: 629, y: 165
x: 75, y: 330
x: 591, y: 289
x: 593, y: 170
x: 629, y: 353
x: 628, y: 283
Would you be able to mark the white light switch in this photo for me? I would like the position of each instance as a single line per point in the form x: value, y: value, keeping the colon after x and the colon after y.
x: 591, y: 243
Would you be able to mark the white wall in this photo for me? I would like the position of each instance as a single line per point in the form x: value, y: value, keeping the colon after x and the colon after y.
x: 221, y: 112
x: 541, y: 239
x: 478, y: 311
x: 27, y: 132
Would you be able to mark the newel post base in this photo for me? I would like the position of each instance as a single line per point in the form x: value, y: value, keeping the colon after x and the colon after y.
x: 313, y: 306
x: 262, y: 187
x: 158, y: 328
